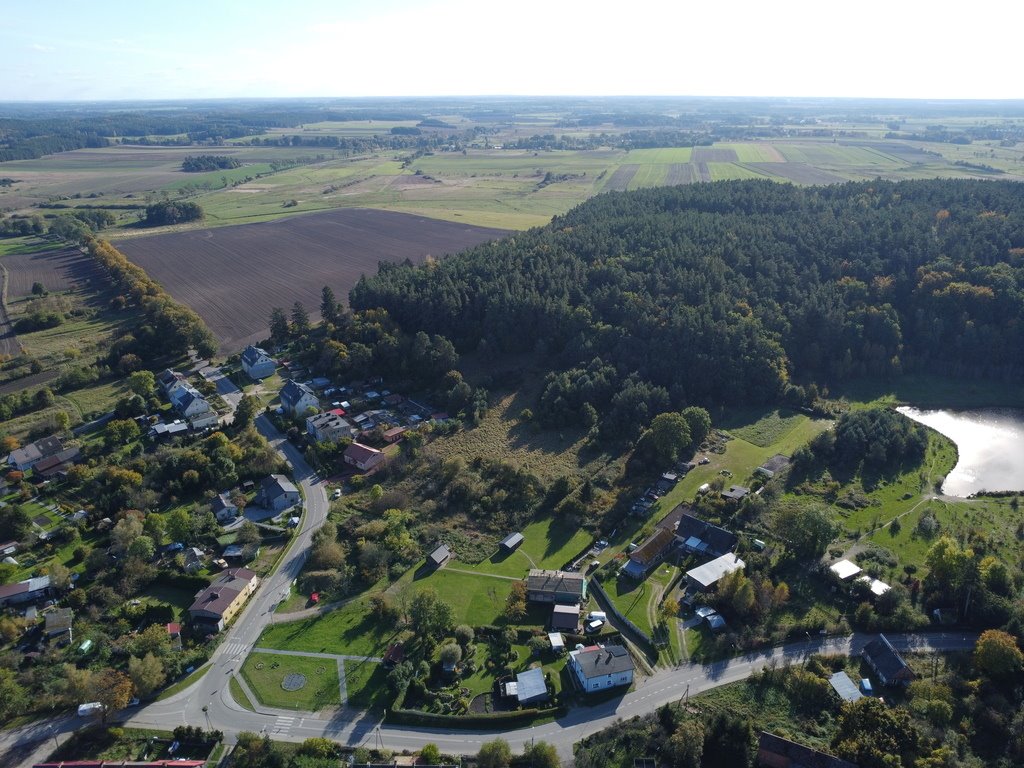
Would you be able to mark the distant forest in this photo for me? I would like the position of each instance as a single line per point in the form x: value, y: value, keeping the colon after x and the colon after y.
x: 730, y: 292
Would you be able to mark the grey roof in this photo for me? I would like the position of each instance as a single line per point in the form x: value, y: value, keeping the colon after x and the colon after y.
x: 555, y: 582
x: 735, y: 492
x: 885, y: 659
x: 530, y: 685
x: 710, y: 572
x: 718, y: 541
x: 59, y: 619
x: 610, y: 660
x: 294, y: 391
x: 845, y: 687
x: 252, y: 355
x: 568, y: 610
x: 440, y: 554
x: 776, y: 463
x: 221, y: 501
x: 276, y: 485
x: 797, y: 755
x: 512, y: 541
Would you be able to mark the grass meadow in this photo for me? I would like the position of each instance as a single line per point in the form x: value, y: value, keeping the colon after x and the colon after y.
x: 265, y: 672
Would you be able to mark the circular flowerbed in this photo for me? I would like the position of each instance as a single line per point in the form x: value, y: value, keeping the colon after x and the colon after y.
x: 293, y: 682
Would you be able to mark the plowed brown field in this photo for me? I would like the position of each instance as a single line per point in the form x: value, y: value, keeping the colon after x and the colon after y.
x: 233, y: 276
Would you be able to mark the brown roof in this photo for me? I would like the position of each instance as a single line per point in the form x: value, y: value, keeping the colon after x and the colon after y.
x: 655, y: 544
x: 797, y: 755
x: 217, y: 597
x: 10, y: 590
x: 360, y: 453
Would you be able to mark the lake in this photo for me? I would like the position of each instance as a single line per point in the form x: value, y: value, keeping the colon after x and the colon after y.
x: 990, y: 444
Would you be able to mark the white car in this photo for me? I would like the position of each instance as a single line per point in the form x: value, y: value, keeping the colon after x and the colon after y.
x: 336, y: 494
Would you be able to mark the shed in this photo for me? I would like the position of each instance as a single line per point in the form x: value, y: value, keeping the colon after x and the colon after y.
x: 530, y: 686
x: 439, y: 556
x: 845, y: 687
x: 557, y: 642
x: 565, y: 617
x: 716, y: 622
x: 844, y: 569
x: 511, y: 542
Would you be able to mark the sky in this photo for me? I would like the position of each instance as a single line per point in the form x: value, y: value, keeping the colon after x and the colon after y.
x: 112, y: 50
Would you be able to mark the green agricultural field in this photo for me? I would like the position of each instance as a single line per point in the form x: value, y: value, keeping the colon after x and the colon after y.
x: 649, y: 176
x: 666, y: 156
x: 265, y: 672
x: 350, y: 630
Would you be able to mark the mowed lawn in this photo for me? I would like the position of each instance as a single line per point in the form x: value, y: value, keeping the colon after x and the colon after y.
x: 475, y: 600
x: 350, y: 630
x: 265, y: 672
x: 366, y: 684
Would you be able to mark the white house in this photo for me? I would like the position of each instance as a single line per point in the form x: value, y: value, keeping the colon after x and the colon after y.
x: 257, y: 364
x: 329, y: 427
x: 297, y: 398
x: 188, y: 402
x: 223, y: 509
x: 277, y: 492
x: 599, y: 668
x: 363, y: 456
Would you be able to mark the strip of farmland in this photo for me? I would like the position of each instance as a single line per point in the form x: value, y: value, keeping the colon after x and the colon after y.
x: 801, y: 173
x: 61, y: 269
x: 679, y: 173
x: 619, y: 181
x: 233, y: 276
x: 714, y: 155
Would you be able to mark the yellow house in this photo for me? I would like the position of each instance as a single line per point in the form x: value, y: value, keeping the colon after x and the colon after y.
x: 216, y: 605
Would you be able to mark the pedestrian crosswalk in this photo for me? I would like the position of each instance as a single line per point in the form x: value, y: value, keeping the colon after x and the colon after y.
x: 232, y: 650
x: 283, y: 724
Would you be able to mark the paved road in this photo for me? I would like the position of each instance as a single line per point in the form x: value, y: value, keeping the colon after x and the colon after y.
x: 353, y: 727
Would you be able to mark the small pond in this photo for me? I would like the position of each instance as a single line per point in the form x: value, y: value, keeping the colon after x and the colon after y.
x: 990, y: 444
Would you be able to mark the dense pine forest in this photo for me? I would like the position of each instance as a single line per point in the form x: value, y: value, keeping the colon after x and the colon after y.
x: 746, y: 291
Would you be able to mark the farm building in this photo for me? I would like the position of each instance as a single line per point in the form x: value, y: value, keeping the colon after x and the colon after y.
x: 329, y: 427
x: 702, y: 538
x: 363, y: 457
x: 565, y: 617
x: 511, y: 542
x: 215, y: 606
x: 26, y: 457
x: 776, y: 752
x: 257, y: 364
x: 649, y: 553
x: 161, y: 430
x: 598, y: 668
x: 845, y: 687
x: 277, y: 492
x: 439, y: 556
x: 706, y: 576
x: 555, y: 587
x: 27, y: 591
x: 297, y: 399
x: 223, y: 508
x: 735, y: 493
x: 394, y: 434
x: 844, y: 569
x: 57, y: 464
x: 886, y: 662
x: 531, y: 687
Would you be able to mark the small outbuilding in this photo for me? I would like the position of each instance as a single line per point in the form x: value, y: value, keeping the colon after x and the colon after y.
x: 706, y: 576
x: 557, y: 642
x: 511, y: 542
x: 844, y: 569
x: 439, y: 557
x: 845, y: 687
x: 565, y: 617
x: 531, y: 687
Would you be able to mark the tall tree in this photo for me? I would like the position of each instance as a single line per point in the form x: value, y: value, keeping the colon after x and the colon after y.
x: 300, y: 319
x: 280, y: 330
x: 147, y: 674
x: 328, y: 305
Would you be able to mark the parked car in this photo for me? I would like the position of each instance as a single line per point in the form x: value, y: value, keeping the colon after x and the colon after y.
x: 92, y: 708
x: 704, y: 460
x: 593, y: 626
